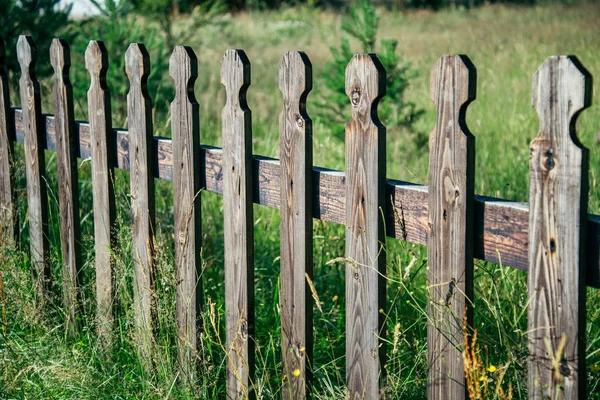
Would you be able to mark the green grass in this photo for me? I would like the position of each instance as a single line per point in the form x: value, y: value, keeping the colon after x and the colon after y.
x: 506, y: 44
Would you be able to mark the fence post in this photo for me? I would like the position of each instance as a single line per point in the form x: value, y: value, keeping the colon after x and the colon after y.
x: 35, y: 164
x: 558, y: 193
x: 68, y: 191
x: 185, y: 122
x: 139, y: 114
x: 450, y: 237
x: 9, y: 228
x: 365, y: 235
x: 295, y: 144
x: 238, y: 226
x: 102, y: 140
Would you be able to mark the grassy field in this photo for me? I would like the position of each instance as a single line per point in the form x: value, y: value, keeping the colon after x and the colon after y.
x: 506, y: 44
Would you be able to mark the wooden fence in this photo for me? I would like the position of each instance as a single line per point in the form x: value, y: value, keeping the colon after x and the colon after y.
x: 553, y: 237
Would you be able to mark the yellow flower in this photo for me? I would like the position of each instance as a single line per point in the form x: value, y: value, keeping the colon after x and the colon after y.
x: 595, y: 368
x: 296, y: 372
x: 302, y: 349
x: 335, y: 298
x: 481, y: 378
x: 491, y: 368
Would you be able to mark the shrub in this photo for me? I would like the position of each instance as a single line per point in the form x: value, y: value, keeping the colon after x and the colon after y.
x: 394, y: 111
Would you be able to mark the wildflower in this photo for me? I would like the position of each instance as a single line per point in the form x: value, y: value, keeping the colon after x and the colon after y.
x: 491, y: 369
x: 296, y: 372
x: 481, y: 378
x: 595, y: 368
x: 302, y: 349
x: 335, y: 298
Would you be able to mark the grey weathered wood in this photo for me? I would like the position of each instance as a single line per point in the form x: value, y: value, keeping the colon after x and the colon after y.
x: 501, y: 226
x: 450, y: 236
x: 185, y: 123
x: 35, y: 165
x: 295, y: 147
x: 558, y: 191
x: 68, y: 193
x: 8, y: 200
x: 238, y: 227
x: 365, y: 234
x: 102, y: 140
x: 141, y: 155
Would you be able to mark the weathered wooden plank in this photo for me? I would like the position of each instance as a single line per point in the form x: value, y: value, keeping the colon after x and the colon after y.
x: 501, y: 226
x: 450, y: 236
x: 558, y: 191
x: 365, y: 235
x: 35, y: 164
x: 238, y: 227
x: 102, y: 140
x: 68, y: 191
x: 139, y: 114
x: 295, y: 147
x: 185, y: 123
x: 9, y: 228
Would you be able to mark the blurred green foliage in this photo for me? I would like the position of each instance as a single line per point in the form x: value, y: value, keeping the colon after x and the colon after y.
x: 41, y: 19
x: 394, y: 110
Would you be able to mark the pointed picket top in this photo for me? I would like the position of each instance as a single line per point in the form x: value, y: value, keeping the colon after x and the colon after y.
x: 96, y: 61
x: 137, y: 64
x: 27, y: 55
x: 295, y: 78
x: 453, y: 82
x: 365, y: 85
x: 183, y: 68
x: 60, y: 58
x: 235, y: 76
x: 558, y: 197
x: 562, y: 87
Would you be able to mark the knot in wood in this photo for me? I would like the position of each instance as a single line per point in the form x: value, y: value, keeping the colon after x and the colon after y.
x: 244, y: 329
x: 549, y: 163
x: 355, y: 96
x: 299, y: 120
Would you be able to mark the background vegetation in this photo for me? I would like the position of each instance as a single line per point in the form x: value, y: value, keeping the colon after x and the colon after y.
x: 507, y: 43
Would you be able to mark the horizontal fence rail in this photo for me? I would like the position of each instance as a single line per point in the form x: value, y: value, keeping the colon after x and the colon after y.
x: 500, y: 231
x: 552, y: 237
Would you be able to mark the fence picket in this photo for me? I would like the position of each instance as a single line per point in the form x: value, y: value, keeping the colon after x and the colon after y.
x: 450, y: 240
x: 35, y: 164
x: 139, y: 114
x: 185, y: 122
x: 102, y: 139
x: 295, y: 144
x: 238, y: 226
x: 9, y: 228
x: 558, y: 191
x: 365, y: 234
x: 68, y: 193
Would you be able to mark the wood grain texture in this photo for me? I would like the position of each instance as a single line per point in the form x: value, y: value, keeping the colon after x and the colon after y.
x: 365, y: 235
x: 68, y: 193
x: 558, y: 190
x: 501, y: 226
x: 9, y: 228
x: 185, y: 128
x: 139, y: 114
x: 239, y: 226
x: 450, y: 239
x: 295, y: 147
x: 35, y: 164
x: 102, y: 148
